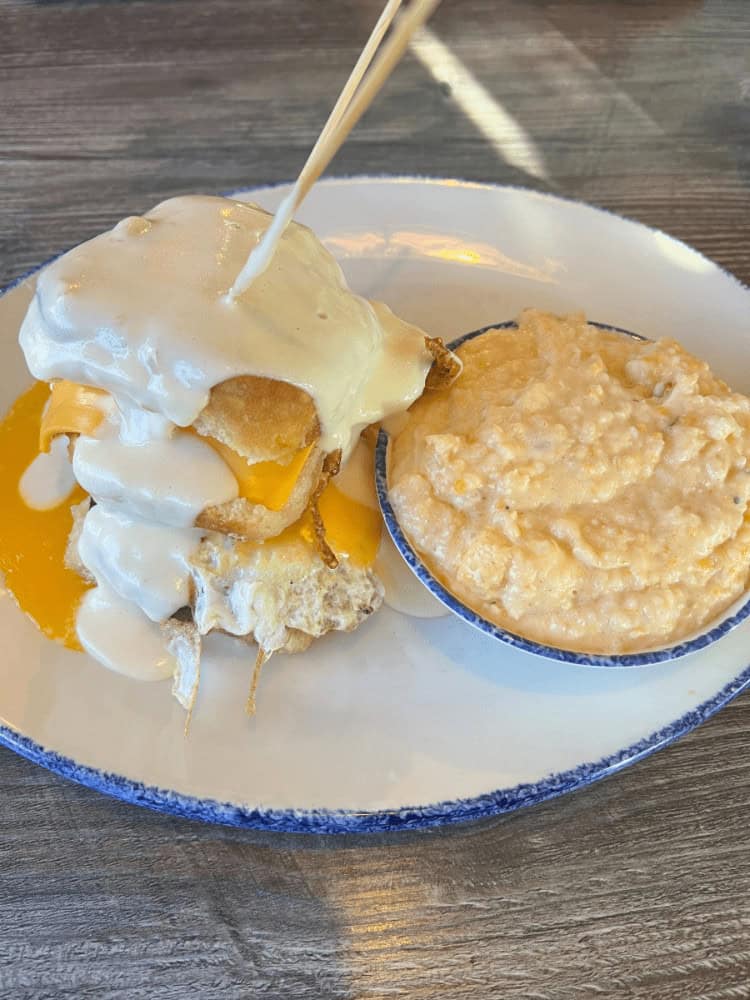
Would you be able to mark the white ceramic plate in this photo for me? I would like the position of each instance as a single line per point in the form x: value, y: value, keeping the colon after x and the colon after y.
x: 406, y: 722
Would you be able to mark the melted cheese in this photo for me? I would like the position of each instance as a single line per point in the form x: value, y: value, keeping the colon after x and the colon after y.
x: 352, y: 528
x: 267, y: 483
x: 72, y: 409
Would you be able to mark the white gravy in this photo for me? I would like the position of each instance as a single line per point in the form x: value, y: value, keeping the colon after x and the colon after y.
x: 118, y: 635
x: 49, y: 480
x: 143, y: 312
x: 140, y: 561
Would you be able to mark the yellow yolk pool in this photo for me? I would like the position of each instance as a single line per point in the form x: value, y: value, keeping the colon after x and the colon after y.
x: 353, y: 529
x: 33, y: 542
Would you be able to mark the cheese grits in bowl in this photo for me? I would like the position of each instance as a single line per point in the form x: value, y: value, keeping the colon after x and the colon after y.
x: 579, y: 492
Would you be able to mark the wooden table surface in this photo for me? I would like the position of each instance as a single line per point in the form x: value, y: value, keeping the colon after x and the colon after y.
x: 637, y: 887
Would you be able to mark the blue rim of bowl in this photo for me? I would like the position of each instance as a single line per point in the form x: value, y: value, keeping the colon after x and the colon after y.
x: 338, y: 821
x: 417, y: 565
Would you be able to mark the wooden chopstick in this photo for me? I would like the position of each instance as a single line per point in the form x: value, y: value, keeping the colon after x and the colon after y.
x: 350, y: 87
x: 358, y: 93
x: 261, y: 254
x: 408, y: 22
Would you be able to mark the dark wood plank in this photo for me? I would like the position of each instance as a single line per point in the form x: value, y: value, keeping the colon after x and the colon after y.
x: 638, y: 887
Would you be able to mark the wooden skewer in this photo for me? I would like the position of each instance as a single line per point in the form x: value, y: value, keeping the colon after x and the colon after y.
x: 408, y: 22
x: 262, y: 253
x: 358, y: 93
x: 350, y: 87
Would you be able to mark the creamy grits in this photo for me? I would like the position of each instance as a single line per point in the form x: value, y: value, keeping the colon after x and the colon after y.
x: 583, y: 488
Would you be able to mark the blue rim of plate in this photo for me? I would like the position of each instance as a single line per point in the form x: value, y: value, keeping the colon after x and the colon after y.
x: 416, y: 564
x: 331, y: 821
x: 340, y: 821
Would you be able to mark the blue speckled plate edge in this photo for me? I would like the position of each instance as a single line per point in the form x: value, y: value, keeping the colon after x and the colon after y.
x: 407, y: 818
x: 417, y: 566
x: 326, y: 821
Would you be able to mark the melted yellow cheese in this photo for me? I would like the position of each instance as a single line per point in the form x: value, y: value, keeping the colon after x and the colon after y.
x: 267, y: 483
x: 72, y: 409
x: 33, y: 542
x: 352, y: 528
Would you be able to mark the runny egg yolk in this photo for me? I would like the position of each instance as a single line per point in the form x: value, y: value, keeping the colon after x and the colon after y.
x: 33, y: 542
x: 32, y: 546
x: 269, y: 483
x: 352, y: 529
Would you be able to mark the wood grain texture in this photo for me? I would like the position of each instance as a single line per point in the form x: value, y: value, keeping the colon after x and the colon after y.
x: 638, y: 887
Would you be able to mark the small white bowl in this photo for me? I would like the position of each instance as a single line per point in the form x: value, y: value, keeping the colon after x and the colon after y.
x: 736, y: 613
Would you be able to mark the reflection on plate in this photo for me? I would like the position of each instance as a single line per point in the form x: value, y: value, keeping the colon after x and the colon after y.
x: 407, y: 722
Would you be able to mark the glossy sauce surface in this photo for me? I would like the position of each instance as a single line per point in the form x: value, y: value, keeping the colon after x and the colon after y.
x: 48, y: 481
x: 142, y: 312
